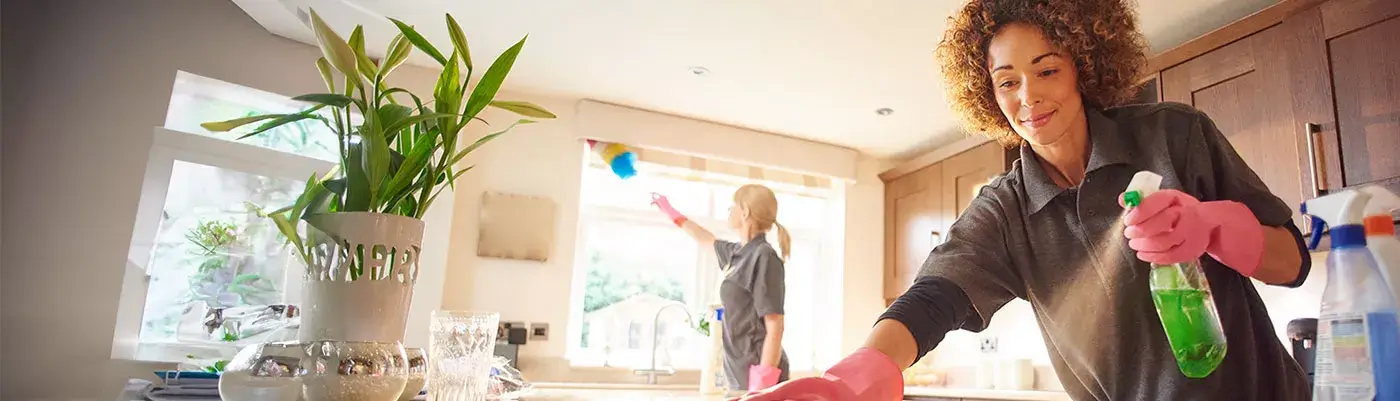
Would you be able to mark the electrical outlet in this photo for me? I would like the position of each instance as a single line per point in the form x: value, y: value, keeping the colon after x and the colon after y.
x: 539, y: 331
x: 989, y: 345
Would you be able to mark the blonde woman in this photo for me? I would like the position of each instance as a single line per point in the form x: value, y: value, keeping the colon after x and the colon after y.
x: 752, y: 290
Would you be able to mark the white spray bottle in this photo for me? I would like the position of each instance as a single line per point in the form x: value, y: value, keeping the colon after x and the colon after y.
x: 1358, y: 343
x: 1380, y: 234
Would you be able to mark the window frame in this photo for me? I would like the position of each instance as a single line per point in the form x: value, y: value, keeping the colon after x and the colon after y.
x: 706, y: 278
x: 167, y: 147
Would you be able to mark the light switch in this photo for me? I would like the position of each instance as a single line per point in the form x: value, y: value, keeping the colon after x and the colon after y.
x: 539, y: 331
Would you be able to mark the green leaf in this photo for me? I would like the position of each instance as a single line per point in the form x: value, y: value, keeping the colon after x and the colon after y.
x: 399, y: 49
x: 412, y: 167
x: 286, y: 119
x: 459, y: 41
x: 309, y: 193
x: 526, y: 109
x: 357, y: 45
x: 289, y: 231
x: 329, y: 99
x: 229, y: 125
x: 336, y: 186
x: 333, y: 47
x: 491, y: 81
x: 319, y: 202
x: 419, y: 42
x: 448, y: 90
x: 389, y: 92
x: 389, y: 114
x: 325, y: 69
x: 404, y: 123
x: 357, y: 189
x: 357, y: 39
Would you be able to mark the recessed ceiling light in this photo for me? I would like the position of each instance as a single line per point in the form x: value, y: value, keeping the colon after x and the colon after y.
x: 698, y: 71
x: 884, y: 111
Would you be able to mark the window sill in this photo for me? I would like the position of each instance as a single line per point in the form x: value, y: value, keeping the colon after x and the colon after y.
x: 180, y: 352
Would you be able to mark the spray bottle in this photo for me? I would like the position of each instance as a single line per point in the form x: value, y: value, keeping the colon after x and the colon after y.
x: 1380, y: 234
x: 1358, y: 343
x: 712, y: 380
x: 1183, y: 299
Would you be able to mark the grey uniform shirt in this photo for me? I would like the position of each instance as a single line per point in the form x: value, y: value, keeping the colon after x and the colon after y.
x: 1063, y: 251
x: 752, y: 288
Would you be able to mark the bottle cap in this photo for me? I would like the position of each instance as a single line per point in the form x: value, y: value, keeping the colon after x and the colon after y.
x: 1379, y: 225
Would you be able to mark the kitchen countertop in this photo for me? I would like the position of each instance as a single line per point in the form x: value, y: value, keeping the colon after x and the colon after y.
x: 643, y: 392
x: 978, y: 394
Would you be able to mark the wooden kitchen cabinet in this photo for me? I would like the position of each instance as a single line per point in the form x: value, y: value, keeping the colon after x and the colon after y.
x: 1245, y: 89
x: 1307, y: 91
x: 1352, y: 62
x: 921, y: 205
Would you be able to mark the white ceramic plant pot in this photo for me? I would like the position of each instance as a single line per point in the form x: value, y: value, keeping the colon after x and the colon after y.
x: 359, y: 282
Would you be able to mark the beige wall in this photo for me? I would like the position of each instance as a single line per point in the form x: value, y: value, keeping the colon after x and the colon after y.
x: 96, y: 76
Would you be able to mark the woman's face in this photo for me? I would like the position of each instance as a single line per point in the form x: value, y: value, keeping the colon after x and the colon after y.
x: 736, y: 217
x: 1035, y: 83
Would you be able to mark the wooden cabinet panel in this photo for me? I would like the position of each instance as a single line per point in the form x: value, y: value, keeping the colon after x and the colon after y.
x: 965, y: 174
x: 912, y: 205
x: 1365, y: 70
x: 1244, y: 87
x: 1340, y: 17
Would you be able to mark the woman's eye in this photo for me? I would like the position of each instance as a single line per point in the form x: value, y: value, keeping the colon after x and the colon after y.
x: 1007, y: 84
x: 1047, y: 73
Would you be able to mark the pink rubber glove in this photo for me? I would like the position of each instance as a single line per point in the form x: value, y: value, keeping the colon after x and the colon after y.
x: 665, y: 205
x: 866, y: 375
x: 763, y: 376
x: 1171, y: 226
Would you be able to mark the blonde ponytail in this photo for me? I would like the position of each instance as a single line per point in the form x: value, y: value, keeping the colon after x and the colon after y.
x: 784, y: 241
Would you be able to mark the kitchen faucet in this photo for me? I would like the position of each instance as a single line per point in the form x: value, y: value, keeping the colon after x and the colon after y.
x: 653, y: 372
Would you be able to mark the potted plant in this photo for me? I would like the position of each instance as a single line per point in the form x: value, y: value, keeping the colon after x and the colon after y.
x: 363, y: 228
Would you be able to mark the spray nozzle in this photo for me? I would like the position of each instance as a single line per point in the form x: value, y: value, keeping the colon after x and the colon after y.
x: 1343, y: 212
x: 1144, y: 184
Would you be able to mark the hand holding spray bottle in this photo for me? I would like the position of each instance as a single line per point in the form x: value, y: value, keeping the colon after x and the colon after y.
x: 1183, y: 300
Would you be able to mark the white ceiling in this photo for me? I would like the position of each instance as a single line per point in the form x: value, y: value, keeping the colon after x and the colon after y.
x: 815, y: 69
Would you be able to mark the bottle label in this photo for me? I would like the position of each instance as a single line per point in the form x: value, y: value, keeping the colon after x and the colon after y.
x: 1343, y: 367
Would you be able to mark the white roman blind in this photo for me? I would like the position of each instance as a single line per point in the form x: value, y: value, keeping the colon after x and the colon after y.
x: 696, y: 168
x: 705, y: 146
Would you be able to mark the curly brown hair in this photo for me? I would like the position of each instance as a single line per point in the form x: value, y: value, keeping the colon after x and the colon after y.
x: 1100, y: 35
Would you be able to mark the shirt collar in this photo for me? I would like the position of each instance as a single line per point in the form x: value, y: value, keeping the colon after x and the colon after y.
x: 1106, y: 148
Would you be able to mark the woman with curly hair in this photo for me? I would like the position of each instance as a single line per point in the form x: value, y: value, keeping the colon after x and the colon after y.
x: 1052, y: 77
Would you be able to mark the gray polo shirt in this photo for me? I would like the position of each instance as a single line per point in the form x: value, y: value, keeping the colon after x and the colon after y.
x: 1063, y: 251
x: 752, y: 288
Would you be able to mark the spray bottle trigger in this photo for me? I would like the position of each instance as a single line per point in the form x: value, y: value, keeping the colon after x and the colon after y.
x: 1318, y: 226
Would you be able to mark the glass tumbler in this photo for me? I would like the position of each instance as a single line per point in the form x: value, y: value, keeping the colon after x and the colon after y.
x: 460, y: 352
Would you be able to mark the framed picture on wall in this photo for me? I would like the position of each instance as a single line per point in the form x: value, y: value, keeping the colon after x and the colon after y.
x: 513, y: 226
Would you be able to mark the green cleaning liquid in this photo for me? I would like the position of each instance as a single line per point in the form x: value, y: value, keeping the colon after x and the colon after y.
x: 1183, y: 300
x: 1192, y: 325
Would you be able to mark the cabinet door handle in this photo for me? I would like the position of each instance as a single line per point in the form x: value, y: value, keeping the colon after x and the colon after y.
x: 935, y: 238
x: 1312, y: 130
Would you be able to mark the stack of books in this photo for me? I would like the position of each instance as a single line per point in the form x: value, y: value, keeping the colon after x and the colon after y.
x: 183, y: 386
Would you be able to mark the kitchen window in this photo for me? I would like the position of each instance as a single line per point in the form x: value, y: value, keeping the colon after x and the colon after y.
x: 632, y: 261
x: 198, y: 243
